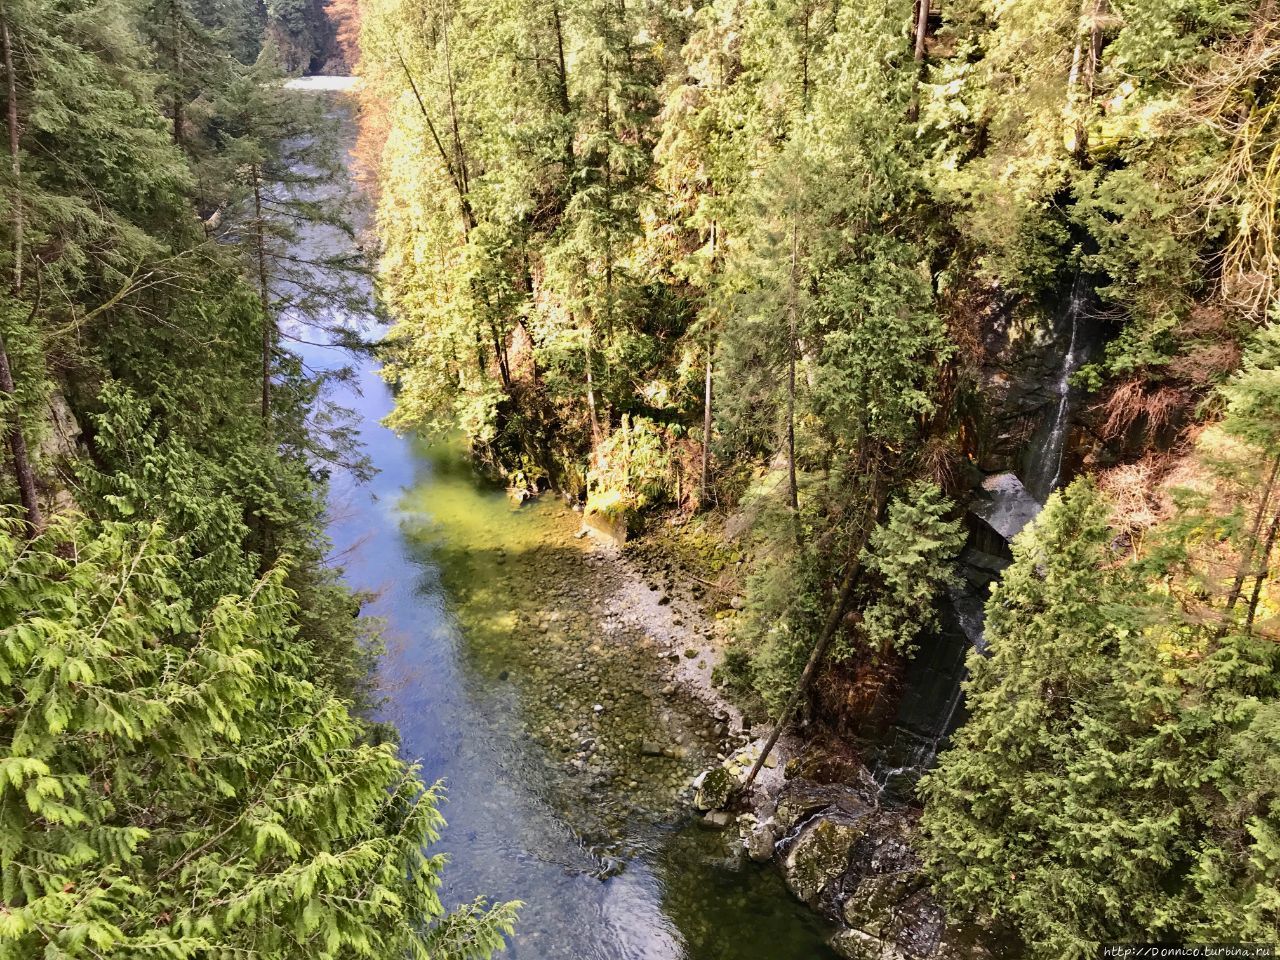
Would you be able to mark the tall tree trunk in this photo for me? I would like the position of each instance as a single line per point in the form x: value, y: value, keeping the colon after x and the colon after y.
x: 461, y: 154
x: 455, y: 175
x: 922, y: 28
x: 1251, y: 546
x: 264, y: 297
x: 562, y: 72
x: 852, y: 574
x: 15, y: 161
x: 922, y: 33
x: 24, y: 473
x: 178, y: 71
x: 591, y: 395
x: 1264, y: 569
x: 500, y: 352
x: 704, y: 493
x: 18, y: 448
x: 1084, y: 68
x: 793, y: 490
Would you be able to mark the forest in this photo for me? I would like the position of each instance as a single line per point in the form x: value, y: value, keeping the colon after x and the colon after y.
x: 926, y: 353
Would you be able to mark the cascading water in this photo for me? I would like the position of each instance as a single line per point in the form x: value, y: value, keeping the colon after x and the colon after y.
x: 1045, y: 455
x: 933, y: 701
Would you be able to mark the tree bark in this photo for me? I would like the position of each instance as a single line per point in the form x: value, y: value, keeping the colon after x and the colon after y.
x: 455, y: 176
x: 793, y: 490
x: 23, y: 471
x: 178, y: 70
x: 562, y: 72
x: 15, y: 160
x: 1264, y: 568
x: 500, y: 353
x: 1246, y: 558
x: 922, y: 33
x: 922, y: 28
x: 591, y: 396
x: 18, y: 448
x: 705, y: 492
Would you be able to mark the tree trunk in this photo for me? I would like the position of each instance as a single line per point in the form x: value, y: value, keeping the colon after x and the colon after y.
x: 1246, y: 558
x: 1084, y: 67
x: 15, y: 162
x: 18, y: 448
x: 830, y: 628
x: 1264, y: 568
x: 23, y: 471
x: 705, y: 490
x: 562, y: 72
x: 922, y: 28
x: 500, y: 352
x: 178, y: 69
x: 793, y: 489
x: 591, y: 396
x: 455, y: 176
x: 922, y: 33
x: 460, y: 152
x: 264, y: 297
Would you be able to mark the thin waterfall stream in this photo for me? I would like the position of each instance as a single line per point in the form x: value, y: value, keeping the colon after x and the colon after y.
x: 933, y: 701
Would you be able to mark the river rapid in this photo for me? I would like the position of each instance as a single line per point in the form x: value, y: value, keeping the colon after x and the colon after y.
x: 522, y: 672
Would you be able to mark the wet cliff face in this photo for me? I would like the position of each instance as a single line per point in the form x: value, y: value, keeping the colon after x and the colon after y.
x: 1032, y: 434
x: 1031, y: 416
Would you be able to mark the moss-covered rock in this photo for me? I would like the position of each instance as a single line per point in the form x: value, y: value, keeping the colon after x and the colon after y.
x: 715, y: 790
x: 819, y: 856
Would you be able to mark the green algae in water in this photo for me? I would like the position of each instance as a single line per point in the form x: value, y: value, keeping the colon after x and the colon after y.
x: 539, y: 650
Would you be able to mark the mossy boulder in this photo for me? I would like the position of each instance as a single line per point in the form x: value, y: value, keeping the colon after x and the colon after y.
x: 715, y: 790
x: 818, y: 858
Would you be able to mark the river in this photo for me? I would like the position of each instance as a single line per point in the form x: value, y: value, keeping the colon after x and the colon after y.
x: 515, y: 675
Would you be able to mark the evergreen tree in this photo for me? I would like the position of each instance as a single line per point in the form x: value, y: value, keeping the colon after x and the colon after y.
x: 172, y: 786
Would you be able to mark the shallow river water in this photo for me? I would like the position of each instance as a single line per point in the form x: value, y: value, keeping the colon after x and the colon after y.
x: 514, y: 677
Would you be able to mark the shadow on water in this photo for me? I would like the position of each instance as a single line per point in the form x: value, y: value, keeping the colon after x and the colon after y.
x: 501, y: 641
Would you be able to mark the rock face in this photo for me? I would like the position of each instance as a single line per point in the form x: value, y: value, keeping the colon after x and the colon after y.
x: 853, y: 862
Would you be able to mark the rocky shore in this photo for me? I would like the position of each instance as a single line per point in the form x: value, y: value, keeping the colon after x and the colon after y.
x: 842, y: 847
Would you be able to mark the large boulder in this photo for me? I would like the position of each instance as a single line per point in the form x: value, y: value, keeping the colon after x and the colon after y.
x: 761, y: 839
x: 818, y: 857
x: 801, y: 799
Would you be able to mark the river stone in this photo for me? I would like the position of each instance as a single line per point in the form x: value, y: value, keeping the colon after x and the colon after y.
x: 714, y: 791
x: 761, y: 840
x: 819, y: 856
x: 716, y: 820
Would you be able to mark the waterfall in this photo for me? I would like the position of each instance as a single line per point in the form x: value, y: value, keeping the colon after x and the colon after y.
x: 1047, y: 451
x: 933, y: 700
